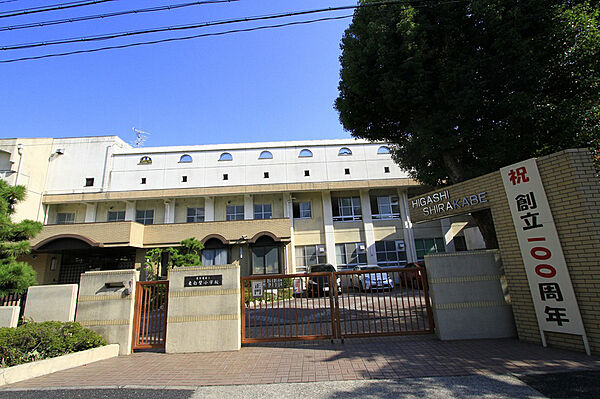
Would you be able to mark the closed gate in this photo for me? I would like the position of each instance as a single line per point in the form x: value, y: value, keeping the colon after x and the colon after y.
x: 357, y: 303
x: 150, y: 317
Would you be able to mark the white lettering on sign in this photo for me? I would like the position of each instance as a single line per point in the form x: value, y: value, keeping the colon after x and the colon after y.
x: 257, y: 289
x: 441, y: 202
x: 549, y: 281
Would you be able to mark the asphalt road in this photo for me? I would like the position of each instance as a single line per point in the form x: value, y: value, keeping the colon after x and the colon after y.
x: 467, y: 387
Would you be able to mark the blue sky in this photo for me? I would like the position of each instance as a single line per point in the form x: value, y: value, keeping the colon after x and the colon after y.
x: 270, y: 85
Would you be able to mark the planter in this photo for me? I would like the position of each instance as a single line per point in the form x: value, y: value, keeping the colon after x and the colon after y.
x: 21, y: 372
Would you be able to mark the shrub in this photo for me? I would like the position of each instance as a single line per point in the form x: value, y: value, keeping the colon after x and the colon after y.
x: 36, y: 341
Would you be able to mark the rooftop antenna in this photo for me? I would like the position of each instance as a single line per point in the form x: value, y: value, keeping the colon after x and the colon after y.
x: 140, y: 137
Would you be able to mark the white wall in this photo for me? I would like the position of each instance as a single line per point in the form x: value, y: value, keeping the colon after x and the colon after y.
x: 246, y: 168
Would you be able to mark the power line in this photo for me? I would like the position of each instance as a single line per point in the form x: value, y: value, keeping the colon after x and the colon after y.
x: 185, y: 27
x: 109, y: 15
x: 52, y: 55
x: 54, y: 7
x: 174, y: 39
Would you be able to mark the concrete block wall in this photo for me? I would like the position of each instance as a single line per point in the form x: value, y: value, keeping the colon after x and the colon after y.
x: 51, y: 302
x: 204, y: 318
x: 108, y: 311
x: 467, y: 297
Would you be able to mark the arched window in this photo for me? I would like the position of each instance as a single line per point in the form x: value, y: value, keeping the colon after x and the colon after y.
x: 145, y: 160
x: 225, y: 157
x: 185, y: 158
x: 344, y: 151
x: 305, y: 153
x: 265, y: 155
x: 383, y: 150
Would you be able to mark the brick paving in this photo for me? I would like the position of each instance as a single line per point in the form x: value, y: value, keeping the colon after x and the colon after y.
x: 307, y: 361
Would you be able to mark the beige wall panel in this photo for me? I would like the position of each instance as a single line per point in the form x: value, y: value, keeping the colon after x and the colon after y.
x: 77, y: 209
x: 109, y: 234
x: 181, y: 206
x: 221, y: 205
x: 104, y: 207
x: 276, y: 201
x: 348, y: 232
x: 308, y: 238
x: 157, y: 205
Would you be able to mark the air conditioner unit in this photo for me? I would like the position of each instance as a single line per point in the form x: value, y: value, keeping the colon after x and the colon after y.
x: 400, y: 245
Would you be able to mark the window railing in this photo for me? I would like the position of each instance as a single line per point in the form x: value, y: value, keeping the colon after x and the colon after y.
x: 350, y: 218
x: 380, y: 216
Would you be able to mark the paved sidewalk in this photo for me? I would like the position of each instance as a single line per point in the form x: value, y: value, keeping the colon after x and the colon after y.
x: 308, y: 361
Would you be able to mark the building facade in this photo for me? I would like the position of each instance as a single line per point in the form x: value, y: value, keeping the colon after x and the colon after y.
x: 275, y: 207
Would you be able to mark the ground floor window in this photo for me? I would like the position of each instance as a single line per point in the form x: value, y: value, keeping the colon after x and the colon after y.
x: 309, y: 255
x: 214, y: 256
x: 265, y: 260
x: 390, y: 253
x: 426, y: 246
x: 350, y: 254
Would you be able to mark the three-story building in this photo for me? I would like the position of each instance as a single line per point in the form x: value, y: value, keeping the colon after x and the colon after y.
x: 275, y: 207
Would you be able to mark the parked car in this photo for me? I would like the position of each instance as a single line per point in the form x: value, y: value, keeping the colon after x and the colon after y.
x: 417, y: 276
x: 319, y: 285
x: 371, y: 281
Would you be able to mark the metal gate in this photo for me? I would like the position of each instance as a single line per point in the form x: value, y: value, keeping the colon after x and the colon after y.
x: 150, y: 317
x: 357, y: 303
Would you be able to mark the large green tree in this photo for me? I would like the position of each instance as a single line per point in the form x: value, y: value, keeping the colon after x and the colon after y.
x: 463, y: 88
x: 15, y: 276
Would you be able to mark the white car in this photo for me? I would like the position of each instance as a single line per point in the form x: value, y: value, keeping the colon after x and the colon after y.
x: 378, y: 279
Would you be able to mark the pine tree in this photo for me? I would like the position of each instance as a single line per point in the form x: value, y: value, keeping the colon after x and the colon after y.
x: 15, y: 276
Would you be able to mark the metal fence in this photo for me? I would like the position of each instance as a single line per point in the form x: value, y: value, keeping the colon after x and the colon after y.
x: 385, y: 301
x: 14, y: 299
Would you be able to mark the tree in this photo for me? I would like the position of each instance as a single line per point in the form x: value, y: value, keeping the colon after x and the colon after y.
x: 460, y: 89
x: 188, y: 254
x: 15, y: 276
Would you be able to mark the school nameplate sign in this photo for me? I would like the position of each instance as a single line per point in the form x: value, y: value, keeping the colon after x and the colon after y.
x: 549, y: 281
x: 203, y: 281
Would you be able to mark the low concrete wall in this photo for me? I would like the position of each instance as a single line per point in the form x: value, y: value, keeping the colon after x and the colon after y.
x: 10, y: 375
x: 467, y: 297
x: 204, y: 318
x: 9, y: 316
x: 51, y: 302
x: 108, y: 311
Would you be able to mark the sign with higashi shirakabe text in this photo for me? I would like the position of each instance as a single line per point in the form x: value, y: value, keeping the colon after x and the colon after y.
x: 440, y: 202
x: 549, y: 281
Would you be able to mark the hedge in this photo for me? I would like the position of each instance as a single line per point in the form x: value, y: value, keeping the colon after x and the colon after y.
x: 36, y: 341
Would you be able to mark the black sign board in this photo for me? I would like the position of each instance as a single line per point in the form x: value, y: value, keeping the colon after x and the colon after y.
x: 202, y: 281
x: 274, y: 283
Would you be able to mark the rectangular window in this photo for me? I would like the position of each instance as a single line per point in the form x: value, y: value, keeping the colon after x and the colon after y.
x: 116, y: 216
x: 89, y: 181
x: 426, y: 246
x: 309, y: 255
x: 265, y: 260
x: 65, y: 218
x: 143, y: 180
x: 195, y: 215
x: 145, y: 216
x: 385, y: 207
x: 302, y: 210
x: 346, y: 209
x: 225, y: 176
x: 390, y: 253
x: 214, y: 256
x: 350, y: 254
x: 184, y: 179
x: 266, y: 175
x: 234, y: 212
x: 263, y: 211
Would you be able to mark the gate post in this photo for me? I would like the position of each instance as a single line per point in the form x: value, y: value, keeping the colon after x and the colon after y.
x: 105, y: 305
x: 204, y: 309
